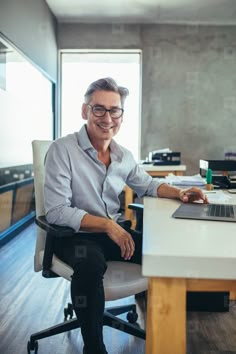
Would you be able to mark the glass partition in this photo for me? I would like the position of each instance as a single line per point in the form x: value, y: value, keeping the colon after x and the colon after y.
x: 26, y: 106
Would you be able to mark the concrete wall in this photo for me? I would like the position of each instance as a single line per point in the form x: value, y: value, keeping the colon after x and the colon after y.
x: 30, y: 26
x: 188, y: 83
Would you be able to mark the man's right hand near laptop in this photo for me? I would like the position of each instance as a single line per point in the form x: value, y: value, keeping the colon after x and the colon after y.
x: 188, y: 195
x: 192, y: 194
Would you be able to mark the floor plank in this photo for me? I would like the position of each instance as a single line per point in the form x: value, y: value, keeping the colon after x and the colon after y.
x: 30, y: 303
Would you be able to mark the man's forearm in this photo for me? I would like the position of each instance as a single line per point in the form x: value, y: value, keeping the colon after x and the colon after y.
x: 95, y: 223
x: 167, y: 191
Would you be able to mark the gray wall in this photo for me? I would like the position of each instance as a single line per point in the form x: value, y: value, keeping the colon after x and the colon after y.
x: 30, y: 26
x: 188, y: 83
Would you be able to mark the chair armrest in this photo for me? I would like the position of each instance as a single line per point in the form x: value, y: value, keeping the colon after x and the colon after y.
x: 135, y: 206
x: 55, y: 230
x: 138, y: 208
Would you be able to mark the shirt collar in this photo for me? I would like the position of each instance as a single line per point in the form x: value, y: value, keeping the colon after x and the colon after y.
x: 83, y: 139
x: 116, y: 152
x: 85, y: 144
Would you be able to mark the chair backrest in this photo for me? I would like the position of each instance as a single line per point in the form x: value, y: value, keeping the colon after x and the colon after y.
x: 40, y: 148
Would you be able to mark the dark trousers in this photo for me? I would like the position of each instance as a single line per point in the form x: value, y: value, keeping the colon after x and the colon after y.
x: 87, y: 255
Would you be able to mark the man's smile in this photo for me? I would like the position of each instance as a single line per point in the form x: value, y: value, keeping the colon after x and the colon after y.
x: 105, y: 127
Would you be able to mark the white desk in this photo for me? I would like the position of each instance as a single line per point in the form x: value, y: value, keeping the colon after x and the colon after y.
x: 181, y: 255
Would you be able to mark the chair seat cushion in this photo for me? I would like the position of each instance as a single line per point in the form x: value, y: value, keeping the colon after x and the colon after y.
x: 121, y: 279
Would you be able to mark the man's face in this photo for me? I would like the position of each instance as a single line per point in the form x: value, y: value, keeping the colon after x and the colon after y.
x: 102, y: 128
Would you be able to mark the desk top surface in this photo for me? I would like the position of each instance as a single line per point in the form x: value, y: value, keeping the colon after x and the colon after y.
x: 186, y: 248
x: 150, y: 167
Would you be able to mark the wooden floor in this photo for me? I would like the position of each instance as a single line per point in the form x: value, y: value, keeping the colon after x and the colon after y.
x: 30, y: 303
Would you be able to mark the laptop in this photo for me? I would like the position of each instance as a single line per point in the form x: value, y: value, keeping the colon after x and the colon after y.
x: 200, y: 211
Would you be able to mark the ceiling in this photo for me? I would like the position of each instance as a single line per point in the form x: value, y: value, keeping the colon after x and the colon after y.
x: 214, y: 12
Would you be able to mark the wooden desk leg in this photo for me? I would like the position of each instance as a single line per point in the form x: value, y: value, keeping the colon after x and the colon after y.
x: 166, y: 316
x: 129, y: 195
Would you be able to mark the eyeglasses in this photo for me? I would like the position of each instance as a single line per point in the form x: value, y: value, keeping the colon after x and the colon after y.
x: 100, y: 111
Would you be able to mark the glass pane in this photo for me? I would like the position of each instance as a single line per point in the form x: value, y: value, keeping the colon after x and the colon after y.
x: 25, y: 107
x: 80, y: 69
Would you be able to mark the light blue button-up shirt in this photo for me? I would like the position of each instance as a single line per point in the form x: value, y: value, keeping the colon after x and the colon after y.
x: 76, y: 182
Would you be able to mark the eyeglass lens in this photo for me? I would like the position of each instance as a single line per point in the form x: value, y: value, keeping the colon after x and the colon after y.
x: 101, y: 111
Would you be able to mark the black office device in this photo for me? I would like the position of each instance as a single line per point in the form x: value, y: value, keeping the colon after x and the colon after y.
x: 218, y: 165
x: 222, y: 182
x: 166, y: 158
x: 221, y: 170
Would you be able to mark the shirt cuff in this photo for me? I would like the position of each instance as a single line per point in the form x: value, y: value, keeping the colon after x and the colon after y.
x: 153, y: 186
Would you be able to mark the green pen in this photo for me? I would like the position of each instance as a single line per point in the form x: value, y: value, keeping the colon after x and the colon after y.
x: 209, y: 176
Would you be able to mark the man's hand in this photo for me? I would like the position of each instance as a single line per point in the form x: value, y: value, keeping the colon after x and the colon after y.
x: 192, y: 194
x: 122, y: 238
x: 116, y: 233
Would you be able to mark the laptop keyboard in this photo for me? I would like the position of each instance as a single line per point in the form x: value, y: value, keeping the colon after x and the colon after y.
x: 220, y: 210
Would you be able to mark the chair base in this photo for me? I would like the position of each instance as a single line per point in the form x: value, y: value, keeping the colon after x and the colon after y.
x: 109, y: 319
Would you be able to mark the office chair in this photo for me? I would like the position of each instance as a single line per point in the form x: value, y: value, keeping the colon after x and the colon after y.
x: 121, y: 279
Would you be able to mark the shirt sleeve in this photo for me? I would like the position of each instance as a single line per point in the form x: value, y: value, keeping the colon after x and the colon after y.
x: 141, y: 182
x: 57, y: 189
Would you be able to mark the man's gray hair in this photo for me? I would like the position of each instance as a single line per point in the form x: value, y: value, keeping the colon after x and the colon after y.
x: 106, y: 84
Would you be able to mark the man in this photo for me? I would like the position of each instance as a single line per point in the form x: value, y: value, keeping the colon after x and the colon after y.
x: 84, y: 174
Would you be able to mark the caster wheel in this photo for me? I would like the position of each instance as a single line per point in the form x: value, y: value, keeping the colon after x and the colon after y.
x: 32, y: 347
x: 68, y: 312
x: 132, y: 316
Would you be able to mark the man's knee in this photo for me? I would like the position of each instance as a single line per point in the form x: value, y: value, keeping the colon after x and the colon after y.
x: 90, y: 262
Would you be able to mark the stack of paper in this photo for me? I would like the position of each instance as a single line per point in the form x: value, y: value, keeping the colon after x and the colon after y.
x: 217, y: 196
x: 187, y: 181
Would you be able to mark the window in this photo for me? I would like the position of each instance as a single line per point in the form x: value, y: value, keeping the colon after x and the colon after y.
x: 79, y: 69
x: 26, y: 106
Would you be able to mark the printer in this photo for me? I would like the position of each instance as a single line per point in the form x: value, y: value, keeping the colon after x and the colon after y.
x: 164, y: 158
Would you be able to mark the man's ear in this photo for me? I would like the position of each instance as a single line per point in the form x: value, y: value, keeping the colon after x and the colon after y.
x: 84, y: 111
